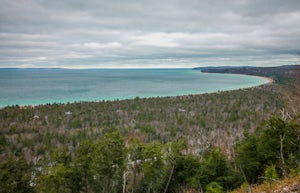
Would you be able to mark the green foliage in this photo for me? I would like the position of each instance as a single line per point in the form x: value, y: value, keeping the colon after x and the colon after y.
x: 2, y: 142
x: 248, y: 158
x: 47, y: 139
x: 15, y: 175
x: 76, y: 123
x: 153, y: 168
x: 270, y: 173
x: 148, y: 129
x: 108, y: 163
x: 186, y: 172
x: 202, y: 121
x: 216, y: 168
x: 190, y: 172
x: 59, y: 179
x: 95, y: 167
x: 82, y: 163
x: 295, y: 171
x: 156, y: 167
x: 61, y: 155
x: 214, y: 187
x: 276, y: 143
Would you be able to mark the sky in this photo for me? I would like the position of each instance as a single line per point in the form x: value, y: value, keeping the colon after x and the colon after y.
x: 148, y: 33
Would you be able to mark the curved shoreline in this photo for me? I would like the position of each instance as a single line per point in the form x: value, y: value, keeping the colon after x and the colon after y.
x: 269, y: 81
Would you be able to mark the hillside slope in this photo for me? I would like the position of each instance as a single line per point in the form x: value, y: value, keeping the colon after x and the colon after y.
x: 210, y: 142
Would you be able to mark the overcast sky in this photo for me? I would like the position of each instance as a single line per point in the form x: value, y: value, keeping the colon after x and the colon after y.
x: 148, y: 33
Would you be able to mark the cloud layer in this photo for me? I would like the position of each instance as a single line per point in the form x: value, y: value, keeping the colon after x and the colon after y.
x: 129, y: 33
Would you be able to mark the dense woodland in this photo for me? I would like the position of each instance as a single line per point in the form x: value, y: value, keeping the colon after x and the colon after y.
x: 198, y: 143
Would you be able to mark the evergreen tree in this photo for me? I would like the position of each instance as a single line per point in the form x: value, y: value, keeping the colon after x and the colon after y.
x: 15, y: 176
x: 108, y: 163
x: 275, y: 143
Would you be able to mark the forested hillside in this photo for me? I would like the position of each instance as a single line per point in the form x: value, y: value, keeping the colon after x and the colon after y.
x: 211, y: 142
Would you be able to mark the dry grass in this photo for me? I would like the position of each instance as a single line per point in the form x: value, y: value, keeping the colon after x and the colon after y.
x: 289, y: 185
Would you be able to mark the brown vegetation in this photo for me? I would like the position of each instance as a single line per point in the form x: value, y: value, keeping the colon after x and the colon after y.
x: 288, y: 185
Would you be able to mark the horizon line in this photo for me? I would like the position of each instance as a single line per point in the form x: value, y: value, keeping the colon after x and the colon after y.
x: 112, y: 68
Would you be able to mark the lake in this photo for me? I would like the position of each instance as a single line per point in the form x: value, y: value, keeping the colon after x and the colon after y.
x: 41, y: 86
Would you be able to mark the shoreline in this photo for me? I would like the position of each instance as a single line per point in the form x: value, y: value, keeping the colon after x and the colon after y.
x: 269, y: 81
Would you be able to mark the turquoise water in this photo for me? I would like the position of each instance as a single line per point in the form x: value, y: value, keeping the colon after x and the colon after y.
x: 41, y: 86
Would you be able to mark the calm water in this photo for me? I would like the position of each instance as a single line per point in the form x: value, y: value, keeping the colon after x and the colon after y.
x: 40, y: 86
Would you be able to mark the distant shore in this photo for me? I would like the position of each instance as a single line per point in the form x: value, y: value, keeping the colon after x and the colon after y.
x: 239, y: 70
x: 270, y: 80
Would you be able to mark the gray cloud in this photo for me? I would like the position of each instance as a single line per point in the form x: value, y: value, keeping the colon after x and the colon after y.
x: 130, y: 33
